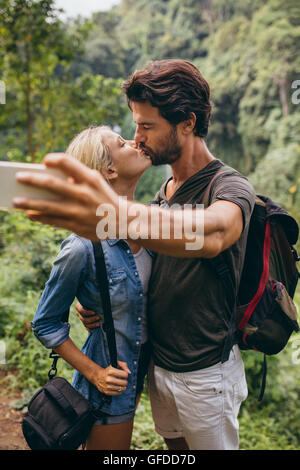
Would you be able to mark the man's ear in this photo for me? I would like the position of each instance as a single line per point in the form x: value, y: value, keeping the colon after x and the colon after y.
x: 188, y: 125
x: 110, y: 173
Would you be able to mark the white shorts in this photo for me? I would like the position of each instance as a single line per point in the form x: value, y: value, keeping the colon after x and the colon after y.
x: 202, y: 406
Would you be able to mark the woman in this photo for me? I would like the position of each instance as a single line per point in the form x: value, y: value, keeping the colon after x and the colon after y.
x: 74, y: 275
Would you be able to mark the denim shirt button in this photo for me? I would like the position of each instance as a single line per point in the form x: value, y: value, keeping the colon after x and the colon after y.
x: 136, y: 273
x: 141, y: 294
x: 139, y: 318
x: 137, y: 342
x: 128, y: 251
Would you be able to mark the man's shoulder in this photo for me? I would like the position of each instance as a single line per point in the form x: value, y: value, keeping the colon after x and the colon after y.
x: 235, y: 187
x: 229, y: 175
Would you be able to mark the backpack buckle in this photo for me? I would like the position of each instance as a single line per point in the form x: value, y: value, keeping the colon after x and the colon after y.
x: 296, y: 256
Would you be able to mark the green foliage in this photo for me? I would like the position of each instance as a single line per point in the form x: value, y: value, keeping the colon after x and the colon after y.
x: 278, y: 175
x: 62, y: 77
x: 33, y: 245
x: 74, y: 105
x: 27, y: 253
x: 33, y: 43
x: 149, y: 183
x: 272, y: 424
x: 47, y: 101
x: 279, y: 171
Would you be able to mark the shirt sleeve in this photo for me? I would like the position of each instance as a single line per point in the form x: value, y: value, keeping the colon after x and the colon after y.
x: 60, y: 291
x: 236, y: 188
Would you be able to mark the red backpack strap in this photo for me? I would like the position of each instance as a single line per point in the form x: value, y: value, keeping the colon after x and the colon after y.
x: 263, y: 280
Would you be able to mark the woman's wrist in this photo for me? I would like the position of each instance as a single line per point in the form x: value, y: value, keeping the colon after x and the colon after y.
x: 93, y: 375
x: 86, y: 366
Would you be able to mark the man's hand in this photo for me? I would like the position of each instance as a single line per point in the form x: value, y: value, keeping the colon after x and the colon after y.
x: 80, y: 196
x: 88, y: 317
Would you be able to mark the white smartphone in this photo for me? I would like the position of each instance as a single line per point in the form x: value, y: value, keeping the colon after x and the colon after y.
x: 11, y: 188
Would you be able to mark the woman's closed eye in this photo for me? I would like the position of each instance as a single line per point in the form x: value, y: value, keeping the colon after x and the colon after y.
x: 122, y: 142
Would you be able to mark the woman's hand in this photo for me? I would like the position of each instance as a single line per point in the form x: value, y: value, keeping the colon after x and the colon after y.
x: 111, y: 381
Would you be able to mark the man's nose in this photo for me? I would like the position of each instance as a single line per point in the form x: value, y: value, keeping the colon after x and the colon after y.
x: 139, y: 138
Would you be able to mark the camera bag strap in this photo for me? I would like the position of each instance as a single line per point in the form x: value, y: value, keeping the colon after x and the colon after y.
x: 108, y: 326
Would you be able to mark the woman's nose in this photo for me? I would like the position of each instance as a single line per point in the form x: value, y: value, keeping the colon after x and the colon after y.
x: 132, y: 143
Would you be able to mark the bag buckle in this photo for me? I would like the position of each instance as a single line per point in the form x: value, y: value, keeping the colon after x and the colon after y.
x: 53, y: 371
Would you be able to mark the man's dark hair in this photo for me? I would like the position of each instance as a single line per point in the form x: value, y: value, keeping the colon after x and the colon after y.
x: 176, y: 88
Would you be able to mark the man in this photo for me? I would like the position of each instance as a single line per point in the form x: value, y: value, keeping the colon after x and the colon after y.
x: 195, y: 391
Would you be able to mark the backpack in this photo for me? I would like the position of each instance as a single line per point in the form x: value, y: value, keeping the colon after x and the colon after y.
x: 264, y: 314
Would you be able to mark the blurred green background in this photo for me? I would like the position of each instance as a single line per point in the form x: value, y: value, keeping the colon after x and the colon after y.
x: 64, y: 75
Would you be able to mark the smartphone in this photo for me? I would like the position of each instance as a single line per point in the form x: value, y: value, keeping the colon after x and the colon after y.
x: 11, y: 188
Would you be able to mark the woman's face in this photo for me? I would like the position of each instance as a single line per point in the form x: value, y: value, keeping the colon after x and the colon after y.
x: 128, y: 161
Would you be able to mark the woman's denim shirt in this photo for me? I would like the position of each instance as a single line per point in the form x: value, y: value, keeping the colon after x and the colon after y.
x: 74, y: 275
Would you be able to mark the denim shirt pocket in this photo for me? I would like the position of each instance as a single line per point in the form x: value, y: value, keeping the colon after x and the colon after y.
x: 117, y: 287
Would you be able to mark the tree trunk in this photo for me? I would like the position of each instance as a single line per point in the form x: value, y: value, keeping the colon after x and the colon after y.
x: 283, y: 85
x: 28, y: 101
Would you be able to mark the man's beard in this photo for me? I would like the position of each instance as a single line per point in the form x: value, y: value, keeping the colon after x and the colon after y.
x: 169, y: 150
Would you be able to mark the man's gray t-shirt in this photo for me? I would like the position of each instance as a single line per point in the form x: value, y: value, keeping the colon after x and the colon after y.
x: 188, y: 309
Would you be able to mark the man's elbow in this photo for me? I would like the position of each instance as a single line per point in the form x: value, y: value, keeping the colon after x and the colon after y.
x: 213, y: 246
x: 221, y: 241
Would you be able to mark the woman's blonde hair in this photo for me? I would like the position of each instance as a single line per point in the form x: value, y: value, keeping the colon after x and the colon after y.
x: 90, y: 148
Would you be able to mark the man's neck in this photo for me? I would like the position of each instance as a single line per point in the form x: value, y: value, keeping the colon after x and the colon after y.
x: 195, y: 156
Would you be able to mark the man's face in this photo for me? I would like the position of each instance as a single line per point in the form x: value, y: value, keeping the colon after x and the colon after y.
x: 154, y: 135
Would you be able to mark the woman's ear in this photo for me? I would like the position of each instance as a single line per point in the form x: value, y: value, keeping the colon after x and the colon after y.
x: 110, y: 173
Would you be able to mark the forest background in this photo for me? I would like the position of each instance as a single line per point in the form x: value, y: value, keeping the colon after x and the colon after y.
x: 62, y: 76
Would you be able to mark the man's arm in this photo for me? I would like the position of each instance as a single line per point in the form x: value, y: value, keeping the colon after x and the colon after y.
x: 185, y: 233
x: 207, y: 232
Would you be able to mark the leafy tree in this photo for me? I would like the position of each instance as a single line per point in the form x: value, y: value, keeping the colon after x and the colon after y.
x: 34, y: 43
x: 32, y: 38
x: 274, y: 35
x: 62, y: 77
x: 149, y: 183
x: 46, y: 105
x: 251, y: 62
x: 103, y: 54
x: 278, y: 173
x: 75, y: 105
